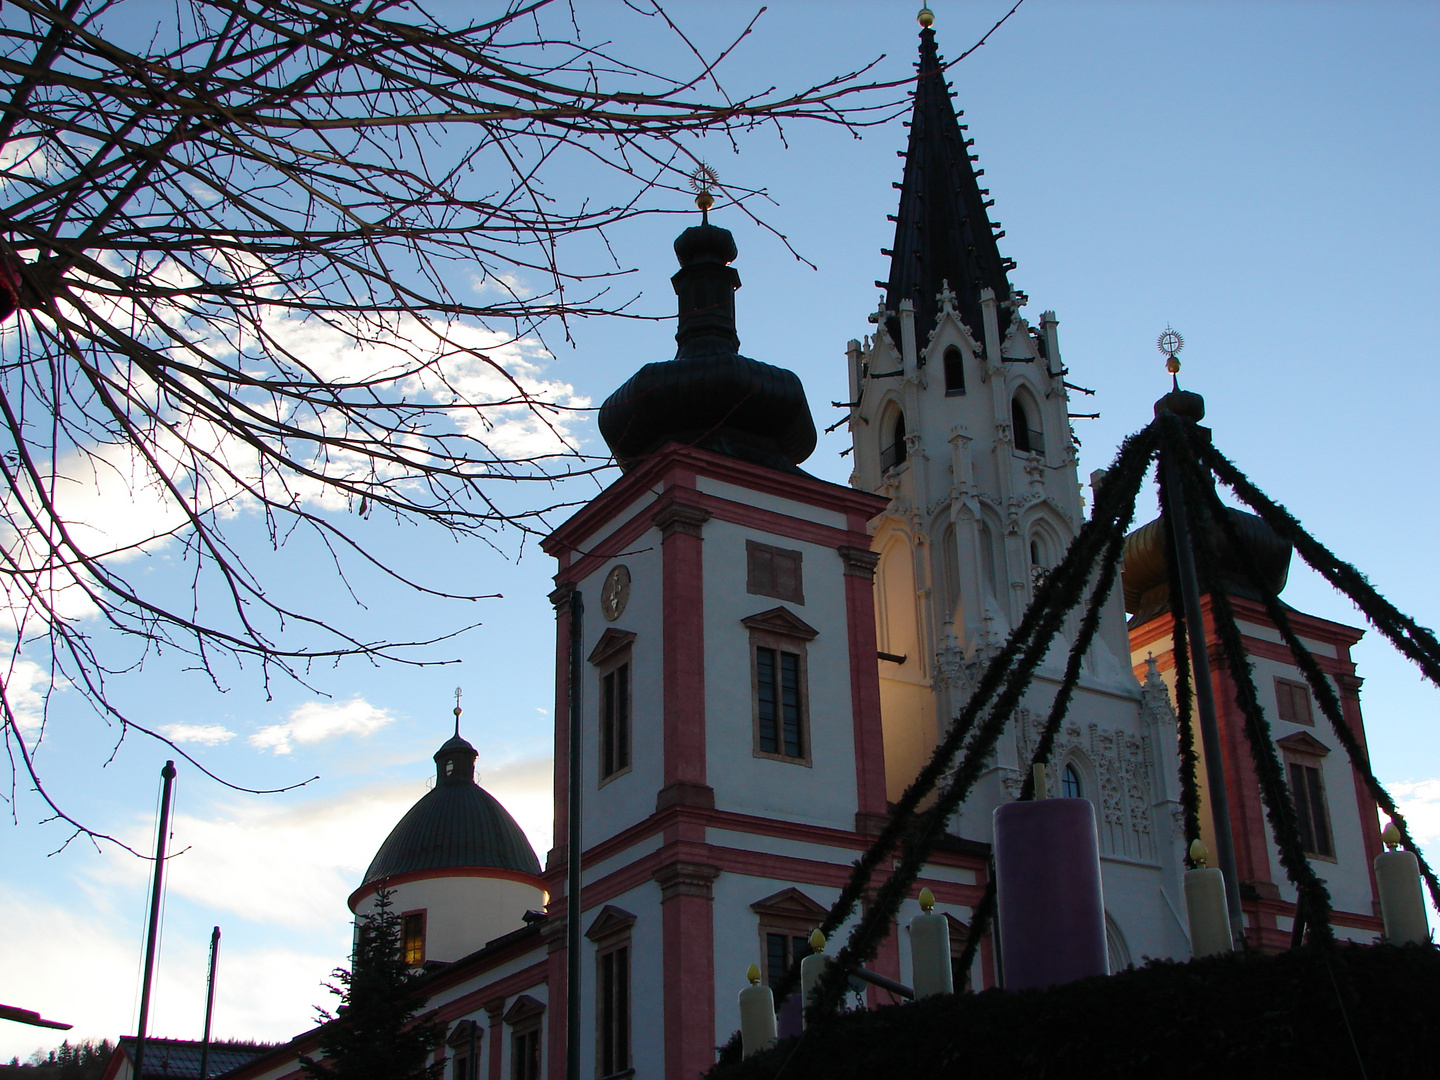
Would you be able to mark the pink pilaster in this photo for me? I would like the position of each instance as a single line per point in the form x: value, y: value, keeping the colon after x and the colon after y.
x: 864, y: 688
x: 683, y: 618
x: 687, y: 922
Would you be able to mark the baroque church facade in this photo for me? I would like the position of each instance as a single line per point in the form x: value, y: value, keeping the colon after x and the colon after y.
x: 765, y: 659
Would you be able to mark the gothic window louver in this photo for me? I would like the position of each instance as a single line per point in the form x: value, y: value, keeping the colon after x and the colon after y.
x: 894, y: 454
x: 954, y: 372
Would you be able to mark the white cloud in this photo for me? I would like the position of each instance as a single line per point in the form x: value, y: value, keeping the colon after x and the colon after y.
x: 204, y: 734
x: 316, y: 721
x: 26, y: 683
x: 1419, y: 801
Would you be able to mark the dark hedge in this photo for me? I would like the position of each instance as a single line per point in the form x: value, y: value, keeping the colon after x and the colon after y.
x: 1237, y: 1016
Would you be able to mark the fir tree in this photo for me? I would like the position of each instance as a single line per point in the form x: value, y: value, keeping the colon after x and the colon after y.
x: 373, y: 1034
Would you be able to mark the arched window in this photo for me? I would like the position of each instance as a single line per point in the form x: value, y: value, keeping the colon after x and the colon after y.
x: 1035, y: 557
x: 1028, y: 439
x: 954, y: 371
x: 1070, y: 785
x: 894, y: 454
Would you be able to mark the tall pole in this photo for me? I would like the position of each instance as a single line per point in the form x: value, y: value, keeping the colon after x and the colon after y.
x: 209, y: 1004
x: 167, y: 776
x: 574, y: 848
x: 1204, y: 697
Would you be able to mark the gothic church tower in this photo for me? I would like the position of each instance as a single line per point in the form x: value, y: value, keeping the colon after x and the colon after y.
x: 960, y: 419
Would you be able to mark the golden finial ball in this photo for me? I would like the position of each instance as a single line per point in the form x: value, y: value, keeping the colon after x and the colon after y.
x: 1199, y: 853
x: 704, y: 201
x: 1391, y: 836
x: 926, y: 18
x: 817, y: 941
x: 927, y: 900
x: 753, y: 974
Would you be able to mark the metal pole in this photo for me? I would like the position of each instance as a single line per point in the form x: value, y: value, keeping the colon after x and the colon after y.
x: 573, y: 848
x: 209, y: 1004
x: 167, y: 775
x: 1205, y: 699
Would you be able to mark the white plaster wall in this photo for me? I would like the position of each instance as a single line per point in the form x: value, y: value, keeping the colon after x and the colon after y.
x: 777, y: 503
x: 1149, y: 908
x: 628, y: 797
x: 463, y: 913
x: 824, y: 792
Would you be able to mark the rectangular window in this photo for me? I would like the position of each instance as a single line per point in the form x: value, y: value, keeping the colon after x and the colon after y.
x: 461, y: 1070
x: 1293, y: 701
x: 525, y: 1054
x: 612, y: 1013
x: 615, y: 721
x: 782, y: 950
x: 772, y: 571
x: 1308, y: 791
x: 413, y: 938
x: 778, y: 699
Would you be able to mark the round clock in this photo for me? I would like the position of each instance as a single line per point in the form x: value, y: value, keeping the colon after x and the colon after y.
x: 615, y: 593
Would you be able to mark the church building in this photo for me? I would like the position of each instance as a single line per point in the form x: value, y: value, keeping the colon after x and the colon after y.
x: 766, y: 659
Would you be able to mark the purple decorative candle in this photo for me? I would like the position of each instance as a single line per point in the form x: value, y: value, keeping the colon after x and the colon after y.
x: 1052, y: 911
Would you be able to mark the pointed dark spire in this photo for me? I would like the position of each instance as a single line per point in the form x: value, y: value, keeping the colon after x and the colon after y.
x: 942, y: 232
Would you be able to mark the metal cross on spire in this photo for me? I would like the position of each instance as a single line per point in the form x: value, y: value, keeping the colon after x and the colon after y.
x: 458, y: 710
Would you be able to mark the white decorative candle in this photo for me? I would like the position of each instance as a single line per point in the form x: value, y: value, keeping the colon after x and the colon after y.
x: 1205, y: 906
x: 930, y: 950
x: 812, y: 967
x: 1402, y: 905
x: 757, y: 1015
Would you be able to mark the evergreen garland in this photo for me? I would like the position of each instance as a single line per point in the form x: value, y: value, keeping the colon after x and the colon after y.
x: 1279, y: 809
x: 1404, y: 633
x: 1063, y: 590
x: 1324, y: 692
x: 1189, y: 764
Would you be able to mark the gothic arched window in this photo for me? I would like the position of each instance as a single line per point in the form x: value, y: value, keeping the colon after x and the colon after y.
x: 894, y: 454
x: 954, y: 371
x: 1027, y: 438
x: 1070, y: 785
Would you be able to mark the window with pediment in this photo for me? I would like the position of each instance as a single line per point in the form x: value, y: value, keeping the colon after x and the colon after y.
x: 611, y: 659
x: 779, y: 684
x: 611, y: 933
x: 525, y: 1019
x: 1304, y: 757
x: 786, y: 920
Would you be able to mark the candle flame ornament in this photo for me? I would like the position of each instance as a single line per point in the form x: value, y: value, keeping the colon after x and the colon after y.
x: 753, y: 974
x: 1199, y: 853
x: 927, y: 900
x: 1391, y: 836
x: 817, y: 940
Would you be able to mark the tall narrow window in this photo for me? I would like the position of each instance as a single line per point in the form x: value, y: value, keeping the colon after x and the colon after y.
x: 954, y: 372
x: 525, y: 1018
x: 611, y: 657
x: 413, y: 937
x: 778, y: 677
x: 611, y: 932
x: 1028, y: 439
x: 1307, y: 789
x: 464, y: 1043
x: 786, y: 920
x: 615, y: 721
x: 894, y: 454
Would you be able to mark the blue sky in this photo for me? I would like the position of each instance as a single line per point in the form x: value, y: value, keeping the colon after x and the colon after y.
x: 1260, y: 176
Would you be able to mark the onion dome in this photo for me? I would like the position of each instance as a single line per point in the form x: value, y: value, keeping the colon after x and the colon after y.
x: 1146, y: 583
x: 709, y: 395
x: 455, y: 824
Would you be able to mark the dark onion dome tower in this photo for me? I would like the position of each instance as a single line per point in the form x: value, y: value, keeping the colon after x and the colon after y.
x: 709, y: 395
x: 1146, y: 582
x: 458, y: 861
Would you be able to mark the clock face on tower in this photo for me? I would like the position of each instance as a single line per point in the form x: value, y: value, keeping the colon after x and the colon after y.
x: 615, y: 593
